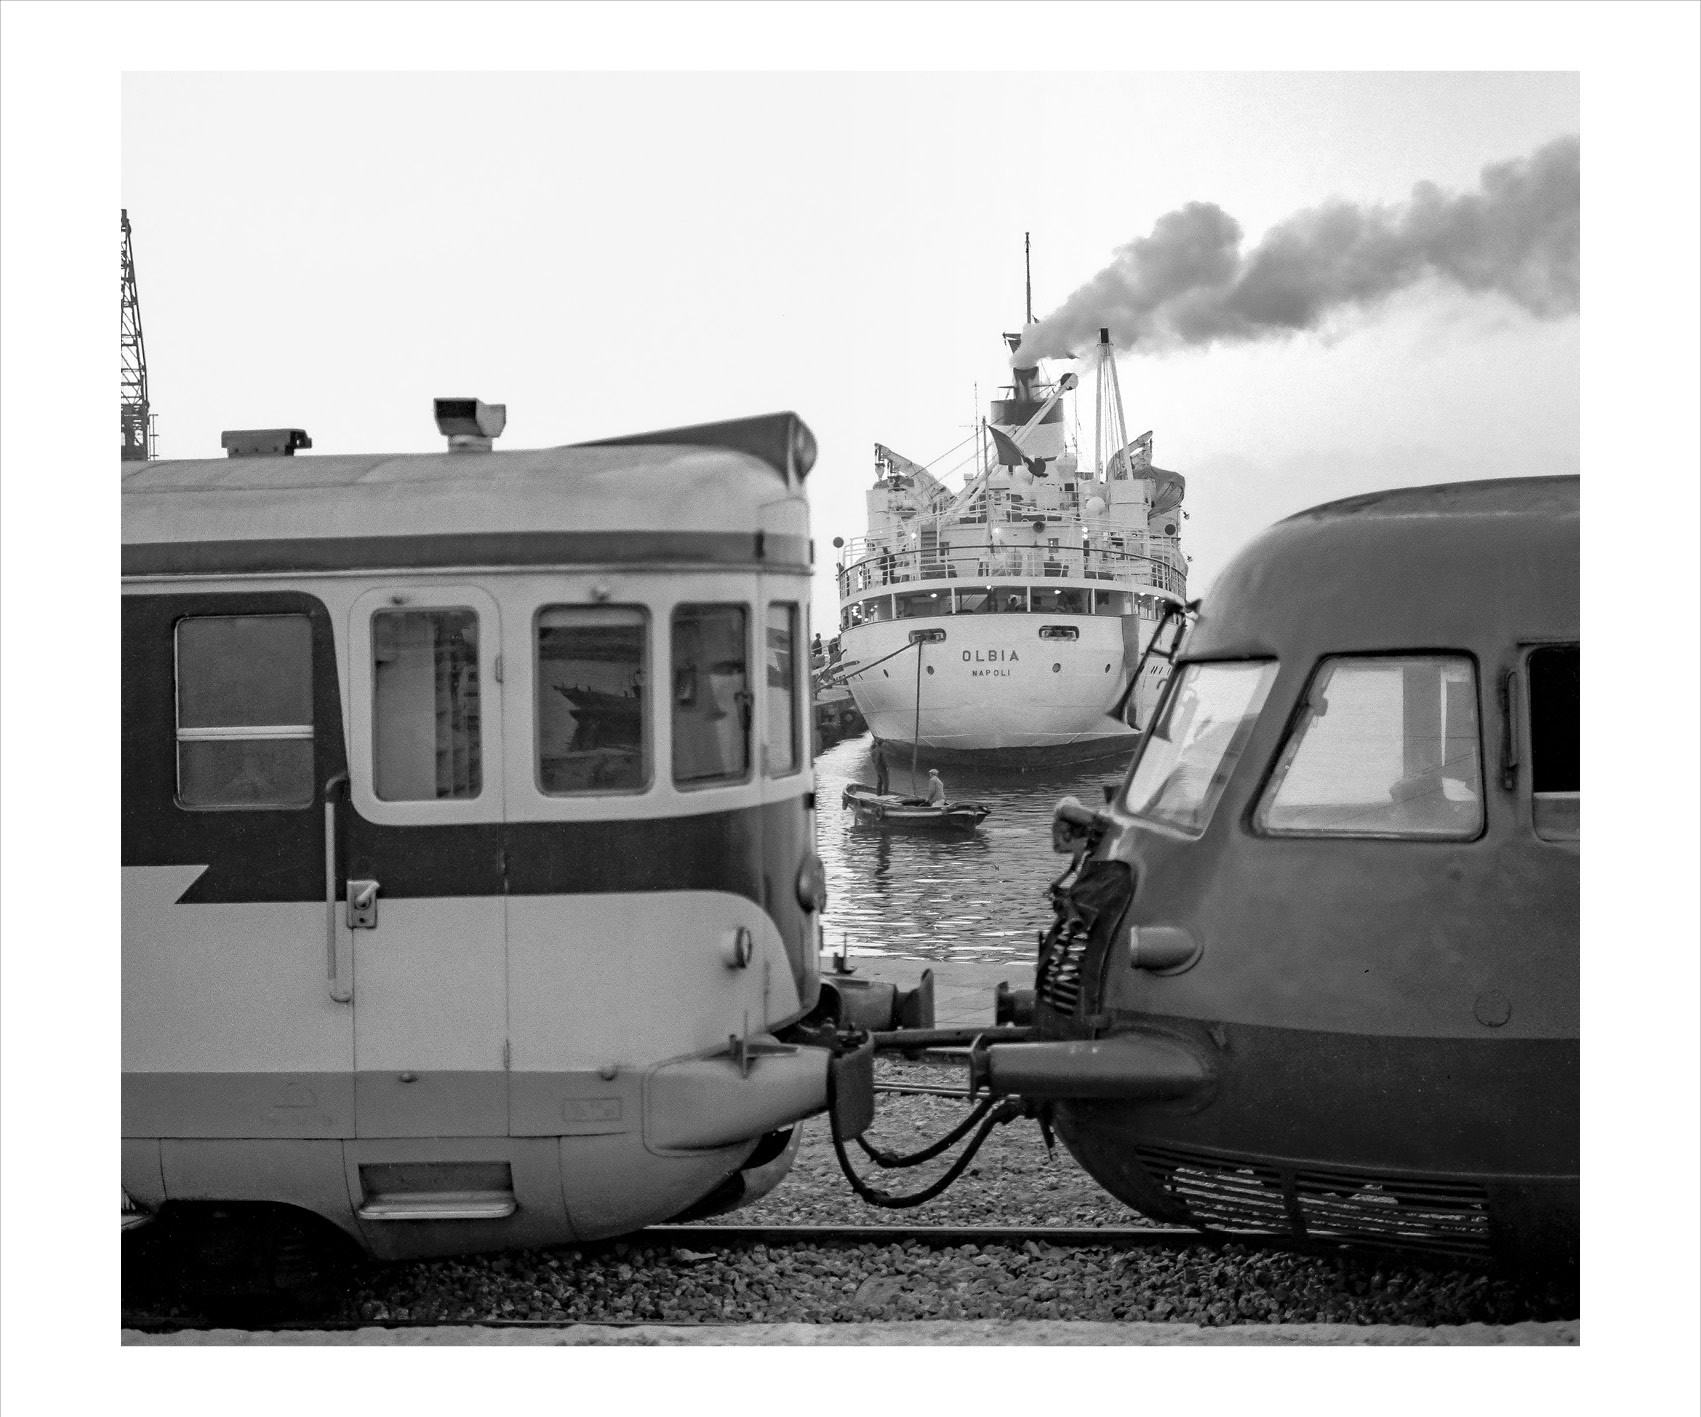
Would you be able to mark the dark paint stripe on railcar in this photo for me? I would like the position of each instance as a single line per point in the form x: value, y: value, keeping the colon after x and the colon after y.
x: 308, y: 555
x: 1461, y: 1106
x: 278, y: 854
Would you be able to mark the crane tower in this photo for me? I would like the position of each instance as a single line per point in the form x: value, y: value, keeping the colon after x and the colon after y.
x: 136, y: 423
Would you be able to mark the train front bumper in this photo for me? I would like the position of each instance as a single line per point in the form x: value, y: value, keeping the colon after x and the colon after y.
x: 737, y: 1094
x: 1141, y: 1065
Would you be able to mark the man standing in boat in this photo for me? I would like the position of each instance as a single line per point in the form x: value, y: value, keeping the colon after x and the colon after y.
x: 882, y: 778
x: 935, y: 788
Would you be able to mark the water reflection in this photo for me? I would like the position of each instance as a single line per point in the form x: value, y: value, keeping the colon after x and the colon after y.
x: 928, y: 895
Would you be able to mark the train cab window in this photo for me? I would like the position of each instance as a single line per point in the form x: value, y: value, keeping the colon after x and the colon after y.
x: 711, y: 694
x: 1383, y: 747
x: 1192, y: 750
x: 1555, y: 741
x: 426, y: 742
x: 1060, y: 602
x: 783, y: 736
x: 593, y: 732
x: 244, y: 712
x: 1113, y: 602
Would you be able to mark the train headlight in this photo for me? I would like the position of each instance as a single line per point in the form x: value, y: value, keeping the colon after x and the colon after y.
x: 812, y: 884
x: 738, y: 948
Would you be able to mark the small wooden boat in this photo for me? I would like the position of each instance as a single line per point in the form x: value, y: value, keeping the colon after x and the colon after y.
x: 889, y: 809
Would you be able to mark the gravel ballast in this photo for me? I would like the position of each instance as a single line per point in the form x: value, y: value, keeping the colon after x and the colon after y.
x: 1011, y: 1182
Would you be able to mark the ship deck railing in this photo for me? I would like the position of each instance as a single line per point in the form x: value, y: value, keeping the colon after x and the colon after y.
x: 875, y: 568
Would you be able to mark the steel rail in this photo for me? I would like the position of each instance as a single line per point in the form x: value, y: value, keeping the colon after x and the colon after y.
x: 917, y: 1089
x: 934, y: 1236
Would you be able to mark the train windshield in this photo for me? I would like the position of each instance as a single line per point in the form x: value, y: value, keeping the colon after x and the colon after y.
x: 711, y: 694
x: 1384, y: 746
x: 1193, y: 748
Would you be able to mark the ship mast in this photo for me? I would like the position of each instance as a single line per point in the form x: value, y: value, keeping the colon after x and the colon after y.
x: 1028, y: 271
x: 1111, y: 434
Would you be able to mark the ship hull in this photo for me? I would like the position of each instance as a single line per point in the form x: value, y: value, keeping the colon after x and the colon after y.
x: 1112, y: 747
x: 994, y: 691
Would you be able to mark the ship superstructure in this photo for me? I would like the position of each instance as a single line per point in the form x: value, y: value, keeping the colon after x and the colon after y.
x: 1029, y: 592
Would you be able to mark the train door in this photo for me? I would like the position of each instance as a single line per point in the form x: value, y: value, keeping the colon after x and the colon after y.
x: 424, y: 941
x: 231, y: 727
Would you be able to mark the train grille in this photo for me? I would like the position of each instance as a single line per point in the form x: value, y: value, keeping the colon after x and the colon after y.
x: 1073, y: 950
x: 1058, y: 984
x: 1234, y: 1193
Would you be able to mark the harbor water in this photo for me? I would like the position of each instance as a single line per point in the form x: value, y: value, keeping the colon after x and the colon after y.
x: 935, y: 895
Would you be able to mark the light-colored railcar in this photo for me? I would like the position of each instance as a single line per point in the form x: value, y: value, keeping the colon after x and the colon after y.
x: 468, y: 823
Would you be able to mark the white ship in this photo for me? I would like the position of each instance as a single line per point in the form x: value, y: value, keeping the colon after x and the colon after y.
x: 1001, y: 622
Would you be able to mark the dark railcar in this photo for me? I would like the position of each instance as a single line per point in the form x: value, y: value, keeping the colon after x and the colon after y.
x: 1316, y: 970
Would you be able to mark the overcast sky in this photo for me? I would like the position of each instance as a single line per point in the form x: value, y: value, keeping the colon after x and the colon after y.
x: 608, y: 253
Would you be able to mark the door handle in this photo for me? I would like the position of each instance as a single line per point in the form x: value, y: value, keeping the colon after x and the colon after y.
x: 336, y: 975
x: 363, y: 905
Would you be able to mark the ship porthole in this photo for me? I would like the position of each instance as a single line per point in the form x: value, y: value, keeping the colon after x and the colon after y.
x: 1107, y: 669
x: 1056, y: 668
x: 930, y: 669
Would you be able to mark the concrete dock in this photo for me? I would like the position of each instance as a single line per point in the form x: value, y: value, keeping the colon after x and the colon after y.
x: 962, y: 989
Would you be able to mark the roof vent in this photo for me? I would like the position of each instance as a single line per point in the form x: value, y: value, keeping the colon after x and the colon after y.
x: 264, y: 442
x: 470, y: 425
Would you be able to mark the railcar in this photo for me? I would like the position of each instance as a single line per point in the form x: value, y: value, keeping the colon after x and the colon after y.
x: 468, y: 832
x: 1316, y: 968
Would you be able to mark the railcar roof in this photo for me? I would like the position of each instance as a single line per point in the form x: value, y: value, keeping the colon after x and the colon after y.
x: 568, y: 487
x: 386, y: 498
x: 1461, y: 563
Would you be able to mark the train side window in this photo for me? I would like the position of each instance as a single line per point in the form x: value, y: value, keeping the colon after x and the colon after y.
x: 1188, y: 757
x: 593, y: 730
x: 426, y: 741
x: 783, y: 736
x: 244, y: 712
x: 711, y: 694
x: 1555, y: 741
x: 1384, y: 746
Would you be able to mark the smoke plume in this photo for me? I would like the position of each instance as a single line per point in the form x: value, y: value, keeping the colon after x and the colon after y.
x: 1188, y: 284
